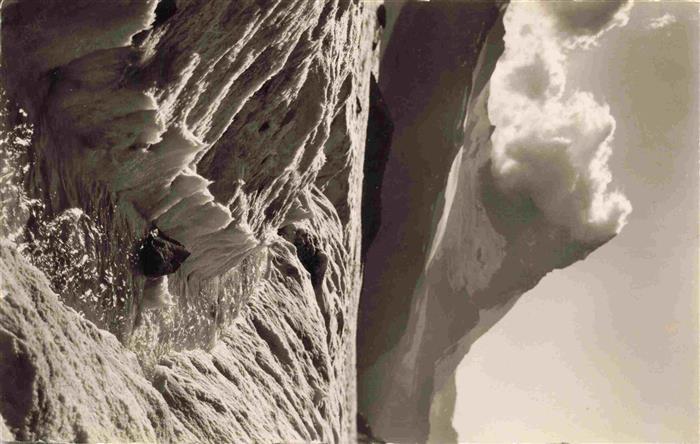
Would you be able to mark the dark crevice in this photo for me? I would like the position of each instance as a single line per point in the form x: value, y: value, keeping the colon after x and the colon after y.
x: 164, y: 11
x: 264, y: 366
x: 273, y: 341
x: 138, y: 38
x: 213, y: 402
x: 364, y: 431
x: 320, y: 366
x: 315, y: 262
x: 17, y: 374
x: 288, y: 117
x: 341, y: 323
x: 200, y: 368
x: 313, y: 259
x: 154, y: 417
x: 380, y: 129
x: 344, y: 92
x: 308, y: 344
x: 343, y: 6
x: 322, y: 20
x: 80, y: 434
x: 381, y: 16
x: 224, y: 371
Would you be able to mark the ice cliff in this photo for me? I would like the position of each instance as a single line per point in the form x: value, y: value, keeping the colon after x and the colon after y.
x: 206, y: 184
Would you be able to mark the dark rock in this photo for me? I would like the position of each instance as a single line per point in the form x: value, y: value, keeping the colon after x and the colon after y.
x: 364, y: 431
x: 160, y: 255
x: 164, y: 10
x: 381, y: 16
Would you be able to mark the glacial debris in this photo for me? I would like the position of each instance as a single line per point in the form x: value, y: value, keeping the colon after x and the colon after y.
x: 160, y: 255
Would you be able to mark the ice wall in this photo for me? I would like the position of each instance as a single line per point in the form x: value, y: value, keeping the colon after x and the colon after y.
x: 237, y: 129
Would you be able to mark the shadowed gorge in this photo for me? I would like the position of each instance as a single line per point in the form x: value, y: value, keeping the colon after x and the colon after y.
x: 453, y: 252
